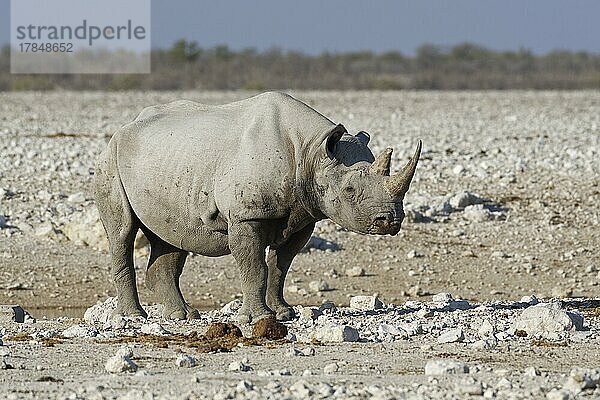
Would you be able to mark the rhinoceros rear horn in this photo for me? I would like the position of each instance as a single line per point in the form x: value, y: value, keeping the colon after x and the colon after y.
x: 381, y: 165
x: 399, y: 183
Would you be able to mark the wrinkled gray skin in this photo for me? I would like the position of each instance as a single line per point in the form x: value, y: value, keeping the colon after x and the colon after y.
x: 238, y: 178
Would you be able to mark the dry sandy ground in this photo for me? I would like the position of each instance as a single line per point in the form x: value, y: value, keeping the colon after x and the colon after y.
x: 532, y: 158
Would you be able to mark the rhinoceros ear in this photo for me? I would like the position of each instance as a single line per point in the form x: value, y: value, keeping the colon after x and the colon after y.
x: 364, y: 137
x: 334, y: 136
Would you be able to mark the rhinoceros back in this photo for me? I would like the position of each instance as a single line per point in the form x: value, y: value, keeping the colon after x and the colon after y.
x: 189, y: 168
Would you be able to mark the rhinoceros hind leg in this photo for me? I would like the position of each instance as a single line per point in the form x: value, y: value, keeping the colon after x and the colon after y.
x: 279, y: 261
x: 121, y: 225
x: 162, y: 277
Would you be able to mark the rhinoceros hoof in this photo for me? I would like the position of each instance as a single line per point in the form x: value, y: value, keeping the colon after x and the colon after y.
x: 181, y: 313
x: 285, y: 314
x: 247, y: 316
x: 129, y: 311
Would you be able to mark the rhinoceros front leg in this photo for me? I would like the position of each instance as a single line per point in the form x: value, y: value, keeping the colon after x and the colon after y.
x: 279, y: 261
x: 162, y: 277
x: 247, y: 242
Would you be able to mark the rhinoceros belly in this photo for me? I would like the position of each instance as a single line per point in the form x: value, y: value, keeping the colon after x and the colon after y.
x: 169, y: 188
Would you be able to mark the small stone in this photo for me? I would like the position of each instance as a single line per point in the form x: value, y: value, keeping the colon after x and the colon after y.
x: 459, y: 304
x: 486, y: 329
x: 301, y: 390
x: 308, y: 351
x: 318, y: 286
x: 464, y: 199
x: 387, y: 329
x: 531, y: 371
x: 442, y: 298
x: 125, y: 351
x: 325, y: 390
x: 4, y: 364
x: 331, y: 369
x: 504, y: 384
x: 545, y: 317
x: 292, y: 352
x: 578, y: 381
x: 154, y: 328
x: 309, y: 313
x: 451, y: 336
x: 101, y: 312
x: 78, y: 197
x: 318, y: 243
x: 414, y: 254
x: 445, y: 367
x: 485, y: 344
x: 232, y: 307
x: 244, y: 386
x: 86, y: 227
x: 477, y: 213
x: 327, y: 308
x: 80, y: 331
x: 424, y: 313
x: 559, y: 394
x: 133, y: 394
x: 44, y: 229
x: 365, y: 303
x: 332, y: 273
x: 355, y: 272
x: 531, y: 300
x: 238, y: 366
x: 119, y: 363
x: 305, y: 352
x: 336, y: 334
x: 458, y: 169
x: 470, y: 387
x: 185, y: 361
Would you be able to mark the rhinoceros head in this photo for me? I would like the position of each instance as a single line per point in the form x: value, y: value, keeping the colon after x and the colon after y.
x: 356, y: 190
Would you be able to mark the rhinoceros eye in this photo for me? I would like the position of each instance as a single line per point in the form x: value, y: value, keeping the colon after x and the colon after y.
x: 349, y: 191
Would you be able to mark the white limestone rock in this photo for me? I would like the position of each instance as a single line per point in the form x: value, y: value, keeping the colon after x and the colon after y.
x: 547, y: 318
x: 186, y: 361
x: 120, y: 363
x: 336, y: 334
x: 80, y: 331
x: 451, y: 336
x: 445, y: 367
x: 366, y: 303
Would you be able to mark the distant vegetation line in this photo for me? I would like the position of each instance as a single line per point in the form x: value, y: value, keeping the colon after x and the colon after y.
x: 466, y: 66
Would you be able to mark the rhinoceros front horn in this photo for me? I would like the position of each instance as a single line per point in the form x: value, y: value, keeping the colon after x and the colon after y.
x: 381, y: 165
x: 399, y: 183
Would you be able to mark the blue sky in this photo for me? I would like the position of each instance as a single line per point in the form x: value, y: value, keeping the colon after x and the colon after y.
x: 313, y: 26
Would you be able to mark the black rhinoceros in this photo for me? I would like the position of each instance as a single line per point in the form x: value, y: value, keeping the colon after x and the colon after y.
x: 237, y: 178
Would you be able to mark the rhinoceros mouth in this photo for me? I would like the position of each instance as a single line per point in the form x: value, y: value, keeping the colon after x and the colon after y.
x: 385, y: 224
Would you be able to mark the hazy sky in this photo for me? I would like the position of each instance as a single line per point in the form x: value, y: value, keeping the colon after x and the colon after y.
x: 314, y: 26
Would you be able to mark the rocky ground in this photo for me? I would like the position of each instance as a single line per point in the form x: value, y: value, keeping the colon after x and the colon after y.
x: 505, y: 204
